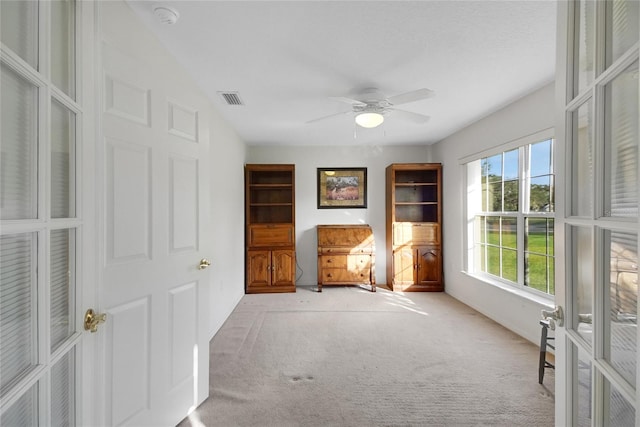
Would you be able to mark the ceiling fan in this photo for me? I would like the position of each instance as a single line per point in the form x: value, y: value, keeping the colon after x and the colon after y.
x: 371, y: 107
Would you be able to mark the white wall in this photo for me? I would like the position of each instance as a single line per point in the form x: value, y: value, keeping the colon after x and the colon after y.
x: 227, y: 206
x: 307, y: 159
x: 524, y: 117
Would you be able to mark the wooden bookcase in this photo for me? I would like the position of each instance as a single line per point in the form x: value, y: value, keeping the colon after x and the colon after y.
x: 414, y: 226
x: 270, y: 237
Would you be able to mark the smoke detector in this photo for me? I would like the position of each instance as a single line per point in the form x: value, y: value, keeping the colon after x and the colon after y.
x: 166, y: 15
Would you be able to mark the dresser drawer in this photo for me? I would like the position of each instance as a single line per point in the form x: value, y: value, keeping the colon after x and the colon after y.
x: 346, y: 251
x: 339, y: 275
x: 333, y: 261
x: 350, y: 262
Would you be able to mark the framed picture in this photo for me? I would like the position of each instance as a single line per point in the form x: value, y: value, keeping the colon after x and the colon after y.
x: 342, y: 188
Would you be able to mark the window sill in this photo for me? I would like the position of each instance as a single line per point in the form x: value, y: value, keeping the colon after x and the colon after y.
x: 538, y: 299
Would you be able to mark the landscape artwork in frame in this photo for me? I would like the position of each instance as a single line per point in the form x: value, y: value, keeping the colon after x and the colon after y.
x: 342, y: 188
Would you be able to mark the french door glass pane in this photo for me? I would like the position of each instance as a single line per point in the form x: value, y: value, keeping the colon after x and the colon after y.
x: 582, y: 274
x: 63, y: 391
x: 19, y: 29
x: 17, y: 307
x: 63, y: 123
x: 621, y: 323
x: 582, y: 176
x: 24, y: 412
x: 621, y: 135
x: 584, y: 69
x: 622, y: 23
x: 582, y: 386
x: 62, y: 286
x: 63, y: 46
x: 620, y: 411
x: 18, y: 168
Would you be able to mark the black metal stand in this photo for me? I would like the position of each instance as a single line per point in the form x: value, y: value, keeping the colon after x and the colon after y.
x: 544, y: 344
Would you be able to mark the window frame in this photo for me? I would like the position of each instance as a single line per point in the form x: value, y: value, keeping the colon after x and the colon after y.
x: 473, y: 185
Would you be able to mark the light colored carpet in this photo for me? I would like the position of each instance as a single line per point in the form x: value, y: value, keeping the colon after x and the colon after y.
x: 349, y: 357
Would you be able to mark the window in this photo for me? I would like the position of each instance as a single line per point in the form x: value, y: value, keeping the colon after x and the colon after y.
x: 510, y: 206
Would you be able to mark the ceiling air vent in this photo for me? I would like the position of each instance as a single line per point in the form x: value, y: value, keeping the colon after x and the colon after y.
x: 231, y: 98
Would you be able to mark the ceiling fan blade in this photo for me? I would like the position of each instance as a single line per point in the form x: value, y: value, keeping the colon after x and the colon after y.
x: 350, y: 101
x: 411, y: 116
x: 329, y: 116
x: 412, y: 96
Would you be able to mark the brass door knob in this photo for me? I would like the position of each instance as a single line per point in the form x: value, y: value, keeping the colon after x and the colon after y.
x: 93, y: 319
x: 204, y: 263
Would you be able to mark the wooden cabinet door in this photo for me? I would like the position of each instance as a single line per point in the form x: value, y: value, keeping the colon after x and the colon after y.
x: 258, y: 269
x: 429, y: 265
x: 404, y: 266
x: 283, y: 269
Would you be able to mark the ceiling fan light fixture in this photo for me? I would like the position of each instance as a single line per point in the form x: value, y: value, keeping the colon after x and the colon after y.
x: 369, y: 120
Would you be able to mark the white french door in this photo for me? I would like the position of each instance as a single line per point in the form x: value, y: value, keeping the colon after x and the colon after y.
x: 597, y: 275
x: 153, y: 143
x: 41, y: 213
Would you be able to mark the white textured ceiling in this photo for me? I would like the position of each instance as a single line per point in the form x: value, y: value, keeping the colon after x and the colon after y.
x: 285, y: 59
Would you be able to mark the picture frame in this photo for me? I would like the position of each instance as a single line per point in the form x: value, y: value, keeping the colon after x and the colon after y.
x: 342, y: 188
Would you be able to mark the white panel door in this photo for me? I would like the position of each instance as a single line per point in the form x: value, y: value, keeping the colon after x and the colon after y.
x: 154, y: 291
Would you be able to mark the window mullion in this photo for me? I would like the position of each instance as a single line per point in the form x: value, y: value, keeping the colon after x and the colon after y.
x: 523, y: 206
x: 521, y: 254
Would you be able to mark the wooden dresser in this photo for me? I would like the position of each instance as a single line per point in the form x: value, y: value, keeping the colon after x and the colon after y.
x: 346, y: 256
